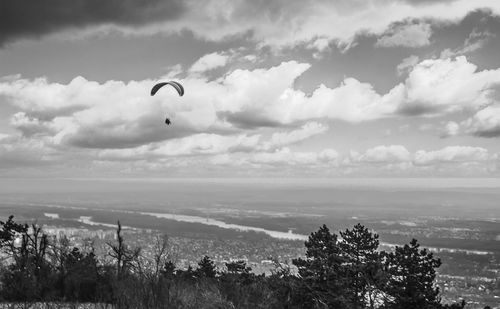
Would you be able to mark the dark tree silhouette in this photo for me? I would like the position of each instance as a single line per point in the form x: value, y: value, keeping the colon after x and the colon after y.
x: 238, y: 267
x: 322, y: 276
x: 123, y: 255
x: 362, y: 266
x: 206, y: 268
x: 346, y: 272
x: 81, y: 282
x: 412, y: 273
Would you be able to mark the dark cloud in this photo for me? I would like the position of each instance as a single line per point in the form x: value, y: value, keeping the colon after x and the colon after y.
x: 32, y: 19
x: 420, y: 109
x: 121, y: 135
x: 490, y: 133
x: 248, y: 120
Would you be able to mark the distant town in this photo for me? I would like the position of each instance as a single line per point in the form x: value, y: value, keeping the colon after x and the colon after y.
x: 471, y: 274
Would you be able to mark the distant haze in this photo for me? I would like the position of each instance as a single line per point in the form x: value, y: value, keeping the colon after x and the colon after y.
x: 448, y: 197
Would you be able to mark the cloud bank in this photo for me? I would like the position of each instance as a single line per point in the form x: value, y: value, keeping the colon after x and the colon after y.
x: 32, y: 19
x: 115, y: 114
x: 247, y: 118
x: 275, y: 23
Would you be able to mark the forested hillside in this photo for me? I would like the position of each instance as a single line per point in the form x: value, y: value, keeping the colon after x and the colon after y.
x: 339, y: 271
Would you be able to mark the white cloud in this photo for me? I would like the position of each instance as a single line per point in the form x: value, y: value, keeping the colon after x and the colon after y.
x: 115, y: 114
x: 209, y: 62
x: 319, y: 46
x: 352, y: 101
x: 383, y: 154
x: 406, y: 35
x: 280, y: 139
x: 292, y: 22
x: 389, y: 160
x: 126, y: 125
x: 28, y: 125
x: 109, y: 115
x: 438, y: 86
x: 397, y: 160
x: 19, y: 152
x: 475, y: 41
x: 287, y: 157
x: 452, y: 154
x: 485, y: 123
x: 198, y: 144
x: 215, y: 144
x: 407, y: 64
x: 47, y: 100
x: 451, y: 129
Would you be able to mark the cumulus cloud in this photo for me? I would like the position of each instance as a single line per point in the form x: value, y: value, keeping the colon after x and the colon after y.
x: 438, y: 86
x: 452, y: 154
x: 209, y: 62
x: 433, y: 87
x: 28, y: 126
x: 485, y: 123
x: 267, y: 98
x: 451, y: 128
x: 280, y: 139
x: 115, y: 114
x: 198, y: 144
x: 396, y: 158
x: 288, y: 157
x: 389, y: 160
x: 406, y: 35
x: 25, y: 18
x: 319, y: 46
x: 215, y: 144
x: 407, y: 64
x: 383, y: 154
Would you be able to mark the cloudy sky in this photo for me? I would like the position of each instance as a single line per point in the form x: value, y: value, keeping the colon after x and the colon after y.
x: 293, y: 88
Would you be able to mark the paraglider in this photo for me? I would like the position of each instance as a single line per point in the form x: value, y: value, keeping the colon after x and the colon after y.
x: 177, y: 86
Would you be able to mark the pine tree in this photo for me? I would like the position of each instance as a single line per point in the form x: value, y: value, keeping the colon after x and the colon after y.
x: 362, y: 266
x: 321, y: 273
x: 206, y: 268
x: 412, y: 274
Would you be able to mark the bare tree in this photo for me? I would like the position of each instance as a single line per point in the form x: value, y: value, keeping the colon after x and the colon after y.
x: 122, y: 254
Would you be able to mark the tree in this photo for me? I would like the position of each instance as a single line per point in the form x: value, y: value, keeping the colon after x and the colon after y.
x: 124, y: 258
x: 160, y: 253
x: 168, y: 270
x: 412, y: 274
x: 238, y: 267
x: 206, y: 268
x: 321, y: 271
x: 30, y: 276
x: 81, y: 282
x: 123, y: 255
x: 9, y: 231
x: 362, y: 265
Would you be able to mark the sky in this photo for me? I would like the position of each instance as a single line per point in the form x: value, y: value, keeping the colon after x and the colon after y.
x: 281, y: 88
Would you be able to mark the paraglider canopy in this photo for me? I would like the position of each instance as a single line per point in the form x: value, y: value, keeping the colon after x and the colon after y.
x: 176, y: 85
